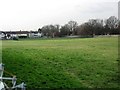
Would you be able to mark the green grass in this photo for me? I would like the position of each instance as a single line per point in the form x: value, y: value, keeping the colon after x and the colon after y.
x: 64, y: 63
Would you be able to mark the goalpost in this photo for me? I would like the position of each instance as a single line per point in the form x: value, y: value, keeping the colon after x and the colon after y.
x: 13, y: 79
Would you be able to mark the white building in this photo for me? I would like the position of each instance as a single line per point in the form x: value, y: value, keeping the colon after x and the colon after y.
x: 35, y: 34
x: 119, y: 10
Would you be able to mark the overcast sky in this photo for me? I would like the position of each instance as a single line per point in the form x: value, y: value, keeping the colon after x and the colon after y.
x: 32, y: 14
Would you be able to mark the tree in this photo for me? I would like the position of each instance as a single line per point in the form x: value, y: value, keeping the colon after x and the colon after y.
x: 40, y: 30
x: 111, y: 24
x: 96, y: 26
x: 72, y: 27
x: 85, y: 29
x: 50, y: 30
x: 57, y: 30
x: 118, y: 28
x: 46, y: 31
x: 64, y: 30
x: 92, y: 27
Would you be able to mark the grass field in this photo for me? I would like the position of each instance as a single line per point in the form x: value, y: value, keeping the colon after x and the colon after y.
x: 63, y: 63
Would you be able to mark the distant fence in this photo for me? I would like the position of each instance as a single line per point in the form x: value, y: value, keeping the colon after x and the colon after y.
x: 106, y: 35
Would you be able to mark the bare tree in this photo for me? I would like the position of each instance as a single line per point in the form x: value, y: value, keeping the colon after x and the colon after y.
x: 111, y: 24
x: 85, y: 29
x: 50, y: 30
x: 96, y: 26
x: 64, y: 30
x: 72, y: 27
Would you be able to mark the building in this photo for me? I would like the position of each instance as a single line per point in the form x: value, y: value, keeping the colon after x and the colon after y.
x: 20, y: 34
x: 35, y: 34
x: 119, y: 10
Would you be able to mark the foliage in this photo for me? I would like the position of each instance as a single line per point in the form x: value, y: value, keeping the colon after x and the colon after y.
x: 50, y: 30
x: 92, y: 27
x: 112, y: 24
x: 72, y: 27
x: 64, y: 31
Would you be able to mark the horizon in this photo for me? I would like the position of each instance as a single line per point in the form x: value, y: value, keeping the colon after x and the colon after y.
x: 26, y: 15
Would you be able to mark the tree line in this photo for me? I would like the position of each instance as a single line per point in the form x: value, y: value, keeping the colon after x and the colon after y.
x: 110, y: 26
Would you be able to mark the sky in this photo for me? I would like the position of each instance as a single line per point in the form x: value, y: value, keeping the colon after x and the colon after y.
x: 29, y: 15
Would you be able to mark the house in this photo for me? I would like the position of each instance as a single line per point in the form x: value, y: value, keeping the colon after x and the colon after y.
x: 20, y: 34
x: 35, y: 34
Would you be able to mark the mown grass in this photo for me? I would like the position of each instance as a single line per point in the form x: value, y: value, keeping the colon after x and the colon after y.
x: 64, y: 63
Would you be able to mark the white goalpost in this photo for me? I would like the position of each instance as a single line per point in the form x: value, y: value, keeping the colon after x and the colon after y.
x: 13, y: 79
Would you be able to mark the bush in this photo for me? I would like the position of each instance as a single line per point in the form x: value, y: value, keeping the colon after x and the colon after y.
x: 15, y: 38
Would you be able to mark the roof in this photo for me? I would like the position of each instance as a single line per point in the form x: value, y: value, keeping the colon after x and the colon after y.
x: 16, y: 32
x: 19, y: 32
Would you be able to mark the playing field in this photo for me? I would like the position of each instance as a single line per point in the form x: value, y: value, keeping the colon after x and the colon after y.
x: 63, y: 63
